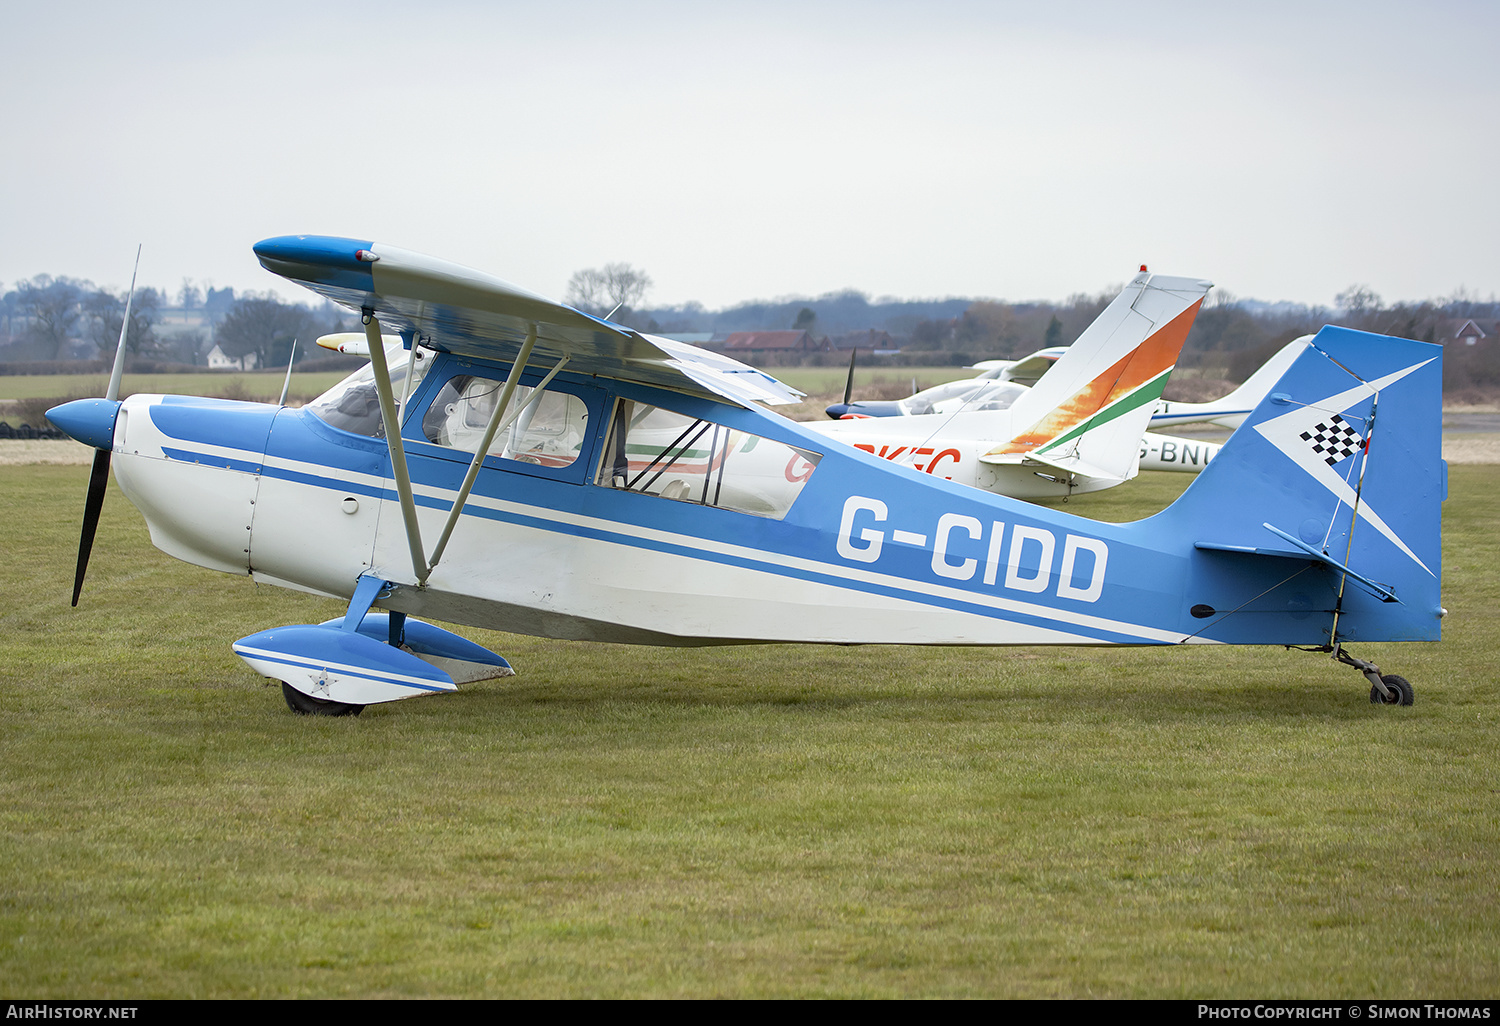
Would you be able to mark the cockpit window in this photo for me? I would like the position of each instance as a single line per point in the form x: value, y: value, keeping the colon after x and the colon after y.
x: 658, y: 452
x: 352, y: 405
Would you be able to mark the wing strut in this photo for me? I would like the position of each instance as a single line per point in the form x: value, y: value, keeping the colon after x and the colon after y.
x: 394, y: 445
x: 499, y: 419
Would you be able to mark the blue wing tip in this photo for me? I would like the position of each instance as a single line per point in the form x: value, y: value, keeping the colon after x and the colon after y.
x: 314, y: 258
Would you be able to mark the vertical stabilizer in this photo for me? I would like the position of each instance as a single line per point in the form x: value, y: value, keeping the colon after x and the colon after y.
x: 1319, y: 520
x: 1232, y: 409
x: 1087, y: 414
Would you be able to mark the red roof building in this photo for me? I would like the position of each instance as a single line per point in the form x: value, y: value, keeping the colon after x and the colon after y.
x: 773, y: 342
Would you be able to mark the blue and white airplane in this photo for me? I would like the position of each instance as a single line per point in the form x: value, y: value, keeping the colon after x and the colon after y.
x: 547, y: 472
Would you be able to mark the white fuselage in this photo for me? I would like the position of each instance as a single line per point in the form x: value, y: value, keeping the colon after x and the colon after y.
x: 951, y: 446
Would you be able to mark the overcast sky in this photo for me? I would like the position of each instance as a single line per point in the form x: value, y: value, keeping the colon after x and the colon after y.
x: 1021, y: 151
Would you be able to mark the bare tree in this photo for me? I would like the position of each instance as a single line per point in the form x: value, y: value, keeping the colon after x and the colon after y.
x: 586, y: 290
x: 189, y: 295
x: 1358, y: 300
x: 265, y: 326
x: 601, y: 290
x: 52, y: 307
x: 103, y: 312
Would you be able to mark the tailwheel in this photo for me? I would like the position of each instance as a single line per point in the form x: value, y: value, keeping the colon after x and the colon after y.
x: 1398, y: 691
x: 1385, y: 689
x: 306, y: 705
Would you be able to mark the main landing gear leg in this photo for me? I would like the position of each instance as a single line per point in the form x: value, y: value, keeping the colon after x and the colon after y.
x: 1389, y: 689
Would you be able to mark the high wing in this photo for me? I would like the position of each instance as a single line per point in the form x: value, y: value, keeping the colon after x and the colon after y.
x: 457, y: 309
x: 1027, y: 370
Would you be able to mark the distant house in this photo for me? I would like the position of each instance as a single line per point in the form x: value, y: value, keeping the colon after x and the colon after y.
x: 870, y: 340
x: 218, y: 361
x: 766, y: 343
x: 1470, y: 332
x: 181, y: 316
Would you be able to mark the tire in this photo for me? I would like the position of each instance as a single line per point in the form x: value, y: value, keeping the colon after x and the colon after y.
x: 1401, y: 691
x: 307, y: 705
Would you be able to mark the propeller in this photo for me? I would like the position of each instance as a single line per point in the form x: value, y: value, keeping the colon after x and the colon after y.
x: 93, y: 423
x: 93, y: 502
x: 839, y: 409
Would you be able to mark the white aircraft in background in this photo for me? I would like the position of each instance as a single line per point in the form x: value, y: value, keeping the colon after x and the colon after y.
x: 998, y: 382
x: 1080, y: 428
x: 1024, y: 371
x: 1232, y: 409
x: 1001, y: 382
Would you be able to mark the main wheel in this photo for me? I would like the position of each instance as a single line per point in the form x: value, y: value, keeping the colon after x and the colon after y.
x: 1400, y: 688
x: 307, y: 705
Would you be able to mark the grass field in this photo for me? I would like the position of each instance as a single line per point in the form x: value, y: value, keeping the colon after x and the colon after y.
x: 759, y: 821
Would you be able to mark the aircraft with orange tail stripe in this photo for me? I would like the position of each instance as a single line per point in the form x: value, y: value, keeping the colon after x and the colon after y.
x: 1079, y: 428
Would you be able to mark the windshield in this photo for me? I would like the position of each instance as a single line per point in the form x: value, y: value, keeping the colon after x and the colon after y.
x: 990, y: 395
x: 352, y: 405
x: 969, y: 395
x: 923, y: 401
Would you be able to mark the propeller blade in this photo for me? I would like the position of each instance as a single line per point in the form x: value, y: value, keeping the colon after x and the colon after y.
x: 849, y: 382
x: 113, y: 391
x: 99, y: 476
x: 98, y: 482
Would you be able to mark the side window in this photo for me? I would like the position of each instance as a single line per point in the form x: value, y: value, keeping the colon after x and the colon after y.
x: 549, y: 430
x: 658, y: 452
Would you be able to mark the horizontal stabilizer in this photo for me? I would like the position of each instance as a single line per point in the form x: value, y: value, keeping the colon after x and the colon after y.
x: 1304, y: 551
x: 1066, y: 464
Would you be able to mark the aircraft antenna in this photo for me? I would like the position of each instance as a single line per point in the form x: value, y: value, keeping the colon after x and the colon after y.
x: 287, y: 384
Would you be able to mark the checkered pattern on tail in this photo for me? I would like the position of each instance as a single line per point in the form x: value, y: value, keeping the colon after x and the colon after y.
x: 1334, y: 440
